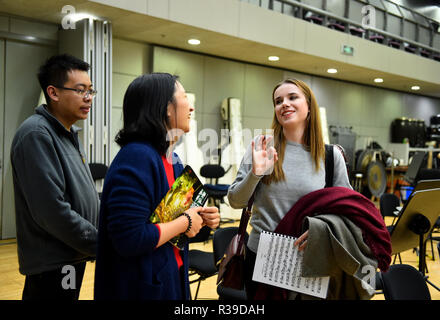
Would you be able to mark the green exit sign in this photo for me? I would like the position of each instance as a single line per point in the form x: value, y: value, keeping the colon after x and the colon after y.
x: 347, y: 50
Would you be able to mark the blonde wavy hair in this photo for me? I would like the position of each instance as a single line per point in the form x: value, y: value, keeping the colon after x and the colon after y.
x: 312, y: 138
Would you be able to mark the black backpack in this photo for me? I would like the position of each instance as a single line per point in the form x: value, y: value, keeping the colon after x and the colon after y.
x: 330, y: 165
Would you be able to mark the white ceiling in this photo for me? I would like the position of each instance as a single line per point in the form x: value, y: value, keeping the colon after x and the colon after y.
x: 134, y: 26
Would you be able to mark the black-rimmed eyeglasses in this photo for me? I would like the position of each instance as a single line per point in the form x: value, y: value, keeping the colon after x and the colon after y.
x: 83, y: 93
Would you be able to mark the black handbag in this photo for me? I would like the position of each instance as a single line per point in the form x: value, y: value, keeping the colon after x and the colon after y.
x: 231, y: 269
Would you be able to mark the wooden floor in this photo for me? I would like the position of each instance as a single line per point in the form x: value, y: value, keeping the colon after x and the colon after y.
x: 11, y: 281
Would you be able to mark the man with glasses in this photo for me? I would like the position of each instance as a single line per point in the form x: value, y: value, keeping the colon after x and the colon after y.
x: 56, y: 203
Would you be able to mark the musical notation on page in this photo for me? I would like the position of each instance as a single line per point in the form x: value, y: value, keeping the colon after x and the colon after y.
x: 279, y: 263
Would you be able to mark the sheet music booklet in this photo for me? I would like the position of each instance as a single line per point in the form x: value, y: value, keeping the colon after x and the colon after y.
x: 279, y: 263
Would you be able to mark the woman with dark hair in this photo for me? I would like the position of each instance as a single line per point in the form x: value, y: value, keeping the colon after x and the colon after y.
x: 135, y: 259
x: 283, y: 168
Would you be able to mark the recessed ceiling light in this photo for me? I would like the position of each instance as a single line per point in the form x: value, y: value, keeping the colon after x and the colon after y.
x: 194, y: 42
x: 415, y: 88
x: 378, y: 80
x: 273, y: 58
x: 332, y: 70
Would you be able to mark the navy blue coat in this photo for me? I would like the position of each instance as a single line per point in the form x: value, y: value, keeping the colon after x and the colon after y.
x: 128, y: 264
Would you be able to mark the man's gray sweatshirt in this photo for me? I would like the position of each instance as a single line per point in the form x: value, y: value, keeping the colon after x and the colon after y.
x: 56, y: 202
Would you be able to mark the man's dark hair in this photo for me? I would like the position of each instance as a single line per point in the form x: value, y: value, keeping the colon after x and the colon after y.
x: 54, y: 71
x: 145, y: 110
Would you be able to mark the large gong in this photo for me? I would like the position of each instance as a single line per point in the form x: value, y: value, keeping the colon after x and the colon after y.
x: 376, y: 178
x: 363, y: 160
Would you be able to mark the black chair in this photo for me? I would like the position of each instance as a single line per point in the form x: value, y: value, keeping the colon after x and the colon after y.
x: 376, y: 38
x: 201, y: 263
x: 203, y: 235
x: 359, y: 32
x: 379, y: 286
x: 409, y: 48
x: 215, y: 191
x: 404, y: 282
x: 313, y: 18
x: 425, y: 174
x: 204, y: 264
x: 222, y: 238
x: 388, y: 203
x: 431, y: 237
x: 425, y: 53
x: 336, y: 25
x: 394, y: 43
x: 98, y: 171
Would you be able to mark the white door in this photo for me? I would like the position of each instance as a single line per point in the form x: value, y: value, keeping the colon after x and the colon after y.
x: 2, y: 107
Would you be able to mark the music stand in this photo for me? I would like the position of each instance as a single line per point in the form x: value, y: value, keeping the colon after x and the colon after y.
x: 423, y: 185
x: 415, y: 223
x: 429, y: 184
x: 414, y: 167
x: 426, y: 184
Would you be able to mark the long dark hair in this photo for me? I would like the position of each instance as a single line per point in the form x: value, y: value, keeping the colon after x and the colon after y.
x: 145, y: 110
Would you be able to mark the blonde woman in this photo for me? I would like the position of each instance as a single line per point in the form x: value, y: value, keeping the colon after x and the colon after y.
x: 283, y: 168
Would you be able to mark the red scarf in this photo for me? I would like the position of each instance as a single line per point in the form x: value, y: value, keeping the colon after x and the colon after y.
x: 169, y: 170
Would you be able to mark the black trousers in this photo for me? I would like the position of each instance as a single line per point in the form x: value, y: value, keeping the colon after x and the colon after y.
x: 249, y: 263
x: 55, y: 284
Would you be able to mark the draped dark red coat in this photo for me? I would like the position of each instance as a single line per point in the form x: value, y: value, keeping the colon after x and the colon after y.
x: 339, y: 201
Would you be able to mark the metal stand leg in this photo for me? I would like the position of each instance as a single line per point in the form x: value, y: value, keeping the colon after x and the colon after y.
x: 420, y: 225
x: 433, y: 285
x: 197, y: 291
x: 422, y: 263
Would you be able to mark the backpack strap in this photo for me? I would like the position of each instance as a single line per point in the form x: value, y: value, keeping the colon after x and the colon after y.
x: 329, y: 165
x: 341, y: 148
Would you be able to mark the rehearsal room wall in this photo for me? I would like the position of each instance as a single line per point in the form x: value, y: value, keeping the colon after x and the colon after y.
x: 369, y: 110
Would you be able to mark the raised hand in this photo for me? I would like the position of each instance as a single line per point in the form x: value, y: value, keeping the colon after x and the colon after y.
x: 264, y: 156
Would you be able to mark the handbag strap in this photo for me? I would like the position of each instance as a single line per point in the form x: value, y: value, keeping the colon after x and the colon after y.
x: 244, y: 220
x: 329, y: 165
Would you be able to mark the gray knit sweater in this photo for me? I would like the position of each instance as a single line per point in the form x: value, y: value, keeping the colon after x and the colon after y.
x: 273, y: 201
x: 56, y: 202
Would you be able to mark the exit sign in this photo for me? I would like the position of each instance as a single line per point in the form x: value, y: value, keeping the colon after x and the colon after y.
x: 347, y: 50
